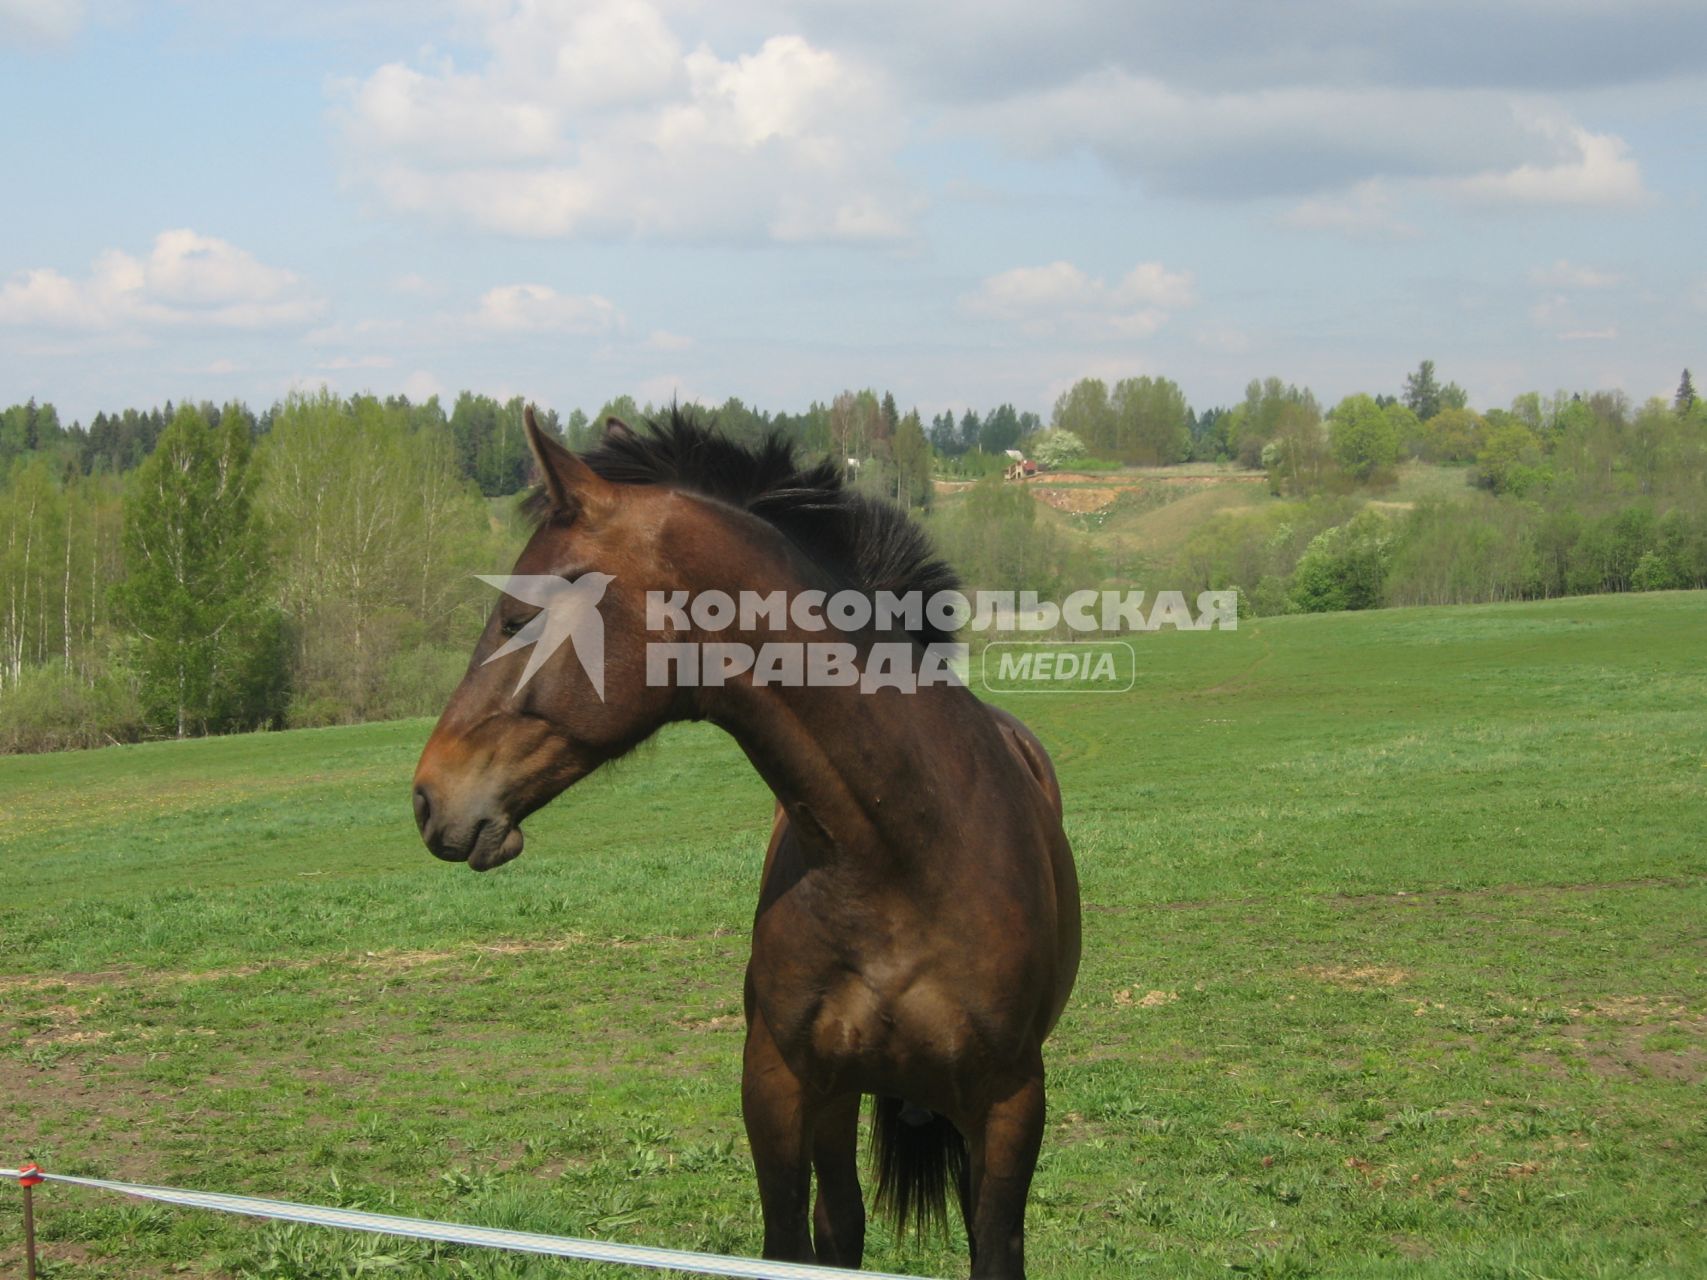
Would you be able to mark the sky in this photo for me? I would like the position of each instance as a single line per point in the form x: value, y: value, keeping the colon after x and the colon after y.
x: 961, y: 202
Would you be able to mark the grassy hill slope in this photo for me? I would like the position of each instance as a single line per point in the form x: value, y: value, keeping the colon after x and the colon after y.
x: 1145, y: 516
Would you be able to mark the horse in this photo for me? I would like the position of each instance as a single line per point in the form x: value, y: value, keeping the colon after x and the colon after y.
x: 917, y: 932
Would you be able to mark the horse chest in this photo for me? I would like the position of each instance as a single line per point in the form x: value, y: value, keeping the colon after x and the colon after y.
x: 860, y: 990
x: 864, y: 1027
x: 873, y: 1034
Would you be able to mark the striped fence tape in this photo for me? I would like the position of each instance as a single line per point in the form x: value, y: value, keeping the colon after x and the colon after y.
x: 632, y: 1255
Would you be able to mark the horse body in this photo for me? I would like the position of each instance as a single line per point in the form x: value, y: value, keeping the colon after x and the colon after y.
x: 928, y: 971
x: 917, y: 931
x: 871, y: 958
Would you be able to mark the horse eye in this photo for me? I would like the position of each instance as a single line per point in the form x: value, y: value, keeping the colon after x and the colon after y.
x: 512, y: 625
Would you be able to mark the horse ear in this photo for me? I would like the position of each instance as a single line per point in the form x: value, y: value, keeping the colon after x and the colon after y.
x: 617, y: 429
x: 569, y: 482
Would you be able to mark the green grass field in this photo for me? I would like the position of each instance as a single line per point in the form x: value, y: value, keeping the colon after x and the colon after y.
x: 1394, y: 964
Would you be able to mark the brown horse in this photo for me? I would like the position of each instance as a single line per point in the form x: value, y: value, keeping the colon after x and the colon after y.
x: 917, y: 932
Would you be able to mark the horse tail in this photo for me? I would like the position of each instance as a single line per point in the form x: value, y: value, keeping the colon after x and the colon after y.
x: 914, y: 1154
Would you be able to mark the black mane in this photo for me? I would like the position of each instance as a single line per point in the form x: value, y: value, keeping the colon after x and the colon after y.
x: 873, y: 545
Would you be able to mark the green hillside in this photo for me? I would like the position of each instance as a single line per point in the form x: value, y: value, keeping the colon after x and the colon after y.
x: 1145, y: 516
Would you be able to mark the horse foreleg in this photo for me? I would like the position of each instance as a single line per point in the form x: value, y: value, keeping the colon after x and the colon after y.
x: 1003, y: 1154
x: 773, y: 1106
x: 838, y: 1218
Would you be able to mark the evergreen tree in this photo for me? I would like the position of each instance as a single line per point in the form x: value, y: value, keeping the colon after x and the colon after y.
x: 970, y: 428
x: 945, y: 438
x: 1685, y: 399
x: 1422, y: 391
x: 1001, y: 430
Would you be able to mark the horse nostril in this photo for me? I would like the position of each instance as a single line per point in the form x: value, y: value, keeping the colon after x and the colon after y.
x: 423, y: 808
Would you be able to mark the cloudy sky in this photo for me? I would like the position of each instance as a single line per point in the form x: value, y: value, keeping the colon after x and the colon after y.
x: 964, y: 202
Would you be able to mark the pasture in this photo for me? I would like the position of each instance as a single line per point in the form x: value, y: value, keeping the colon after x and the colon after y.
x: 1393, y: 965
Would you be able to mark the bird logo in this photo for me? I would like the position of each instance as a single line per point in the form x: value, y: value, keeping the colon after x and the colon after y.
x: 567, y: 611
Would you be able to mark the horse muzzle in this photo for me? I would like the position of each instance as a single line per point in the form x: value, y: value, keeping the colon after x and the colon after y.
x: 483, y: 841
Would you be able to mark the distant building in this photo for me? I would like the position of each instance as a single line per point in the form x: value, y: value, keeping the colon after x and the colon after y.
x: 1022, y: 468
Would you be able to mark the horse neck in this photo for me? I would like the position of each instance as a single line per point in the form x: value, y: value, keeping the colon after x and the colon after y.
x: 859, y: 773
x: 853, y: 770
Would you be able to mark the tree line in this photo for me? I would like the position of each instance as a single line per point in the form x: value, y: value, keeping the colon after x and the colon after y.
x: 200, y: 568
x: 197, y: 568
x: 311, y: 567
x: 1560, y: 495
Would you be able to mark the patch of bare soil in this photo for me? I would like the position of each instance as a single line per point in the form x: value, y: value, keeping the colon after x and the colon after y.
x: 1077, y: 501
x: 1356, y: 977
x: 53, y: 1024
x: 1650, y: 1037
x: 1124, y: 999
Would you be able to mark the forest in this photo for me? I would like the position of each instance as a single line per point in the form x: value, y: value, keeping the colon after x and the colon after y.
x: 198, y: 568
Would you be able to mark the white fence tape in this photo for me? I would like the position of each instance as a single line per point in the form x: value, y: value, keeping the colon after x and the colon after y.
x: 632, y: 1255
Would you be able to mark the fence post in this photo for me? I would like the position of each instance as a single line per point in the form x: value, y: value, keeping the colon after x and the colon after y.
x: 28, y: 1177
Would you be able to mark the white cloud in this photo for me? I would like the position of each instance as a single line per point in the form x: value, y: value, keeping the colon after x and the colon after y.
x: 592, y: 119
x: 664, y: 340
x: 1571, y: 275
x: 186, y: 280
x: 538, y: 308
x: 1587, y: 169
x: 445, y: 118
x: 1153, y: 283
x: 40, y: 21
x: 1608, y: 334
x: 609, y: 53
x: 1061, y: 295
x: 1013, y: 294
